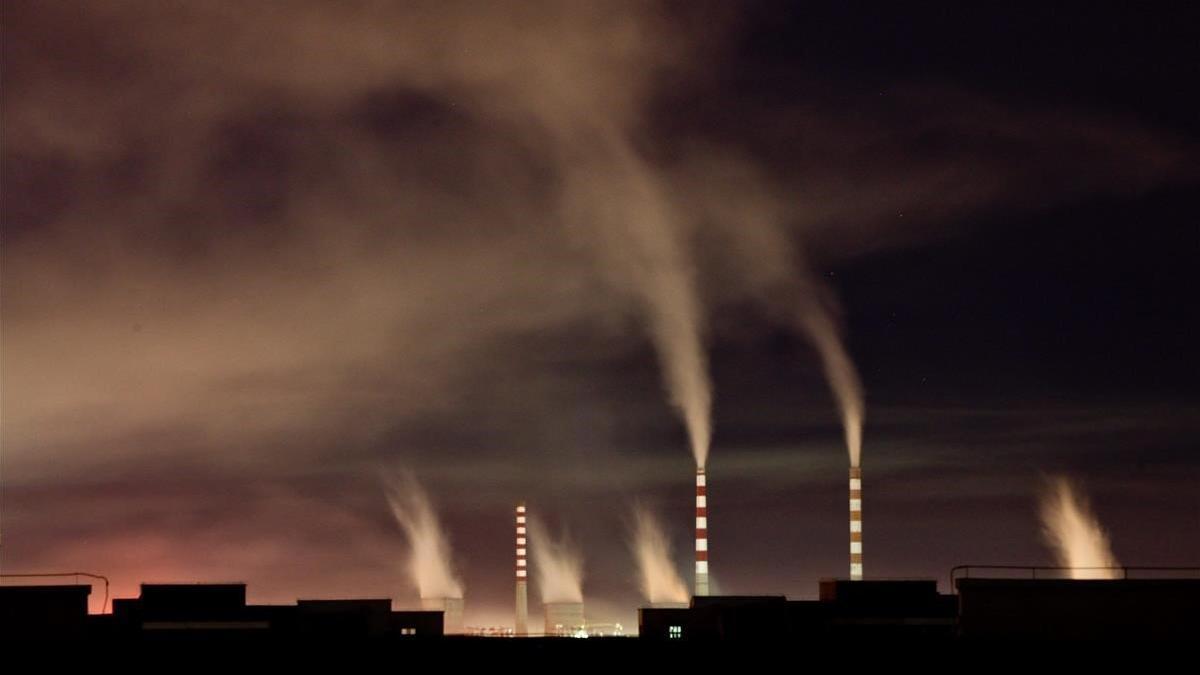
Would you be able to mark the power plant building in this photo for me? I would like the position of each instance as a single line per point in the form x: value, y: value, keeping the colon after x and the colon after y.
x: 208, y: 611
x: 909, y: 609
x: 564, y: 619
x: 1001, y: 611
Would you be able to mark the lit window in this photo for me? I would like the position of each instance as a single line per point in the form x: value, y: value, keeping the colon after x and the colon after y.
x: 675, y: 632
x: 408, y: 631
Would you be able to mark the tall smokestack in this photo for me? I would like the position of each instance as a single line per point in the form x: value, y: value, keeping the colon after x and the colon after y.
x: 522, y: 627
x: 701, y: 534
x: 856, y: 554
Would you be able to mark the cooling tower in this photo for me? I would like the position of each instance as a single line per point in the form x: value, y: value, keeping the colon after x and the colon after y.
x: 522, y: 623
x: 856, y: 552
x: 701, y: 534
x: 564, y: 618
x: 452, y: 613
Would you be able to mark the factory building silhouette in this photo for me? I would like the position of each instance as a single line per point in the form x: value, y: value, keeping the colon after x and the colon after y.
x: 203, y: 610
x: 845, y: 608
x: 983, y: 609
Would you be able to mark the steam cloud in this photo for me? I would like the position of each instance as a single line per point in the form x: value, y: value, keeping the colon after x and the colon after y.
x: 429, y: 561
x: 1074, y: 534
x: 558, y: 565
x: 658, y: 577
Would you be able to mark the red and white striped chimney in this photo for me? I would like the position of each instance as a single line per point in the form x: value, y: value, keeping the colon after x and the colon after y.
x: 701, y: 533
x: 522, y: 623
x: 856, y: 552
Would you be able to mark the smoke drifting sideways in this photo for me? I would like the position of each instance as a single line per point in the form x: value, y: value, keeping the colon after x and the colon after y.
x: 657, y: 576
x: 557, y: 564
x: 622, y: 205
x: 429, y: 562
x: 1074, y: 534
x: 755, y: 219
x: 842, y: 376
x: 571, y: 89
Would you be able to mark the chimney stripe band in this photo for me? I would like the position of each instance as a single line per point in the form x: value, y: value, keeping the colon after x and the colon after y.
x: 701, y: 533
x: 856, y: 538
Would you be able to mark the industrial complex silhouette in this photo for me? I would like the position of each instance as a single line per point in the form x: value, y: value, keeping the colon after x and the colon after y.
x: 988, y: 604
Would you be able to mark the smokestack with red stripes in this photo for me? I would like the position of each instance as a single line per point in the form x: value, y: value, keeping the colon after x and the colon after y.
x: 856, y: 552
x: 522, y: 623
x: 701, y: 533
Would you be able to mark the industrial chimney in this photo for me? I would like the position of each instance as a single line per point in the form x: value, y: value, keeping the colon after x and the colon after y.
x: 701, y: 534
x: 856, y: 554
x: 522, y: 624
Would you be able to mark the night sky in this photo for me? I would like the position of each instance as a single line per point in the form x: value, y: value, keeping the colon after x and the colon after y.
x: 256, y: 255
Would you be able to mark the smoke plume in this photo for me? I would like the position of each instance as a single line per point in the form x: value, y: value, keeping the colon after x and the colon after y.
x: 753, y: 215
x: 557, y: 563
x: 614, y: 196
x: 429, y: 560
x: 841, y: 374
x: 658, y: 577
x: 1074, y: 534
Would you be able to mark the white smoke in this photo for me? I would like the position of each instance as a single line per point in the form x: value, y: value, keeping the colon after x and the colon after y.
x: 1074, y: 534
x: 658, y: 577
x: 751, y: 213
x: 613, y: 196
x: 557, y: 564
x: 841, y: 374
x: 429, y: 560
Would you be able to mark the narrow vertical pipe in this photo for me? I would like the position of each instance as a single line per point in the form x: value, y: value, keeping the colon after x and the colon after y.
x: 856, y: 552
x: 701, y: 533
x: 522, y: 623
